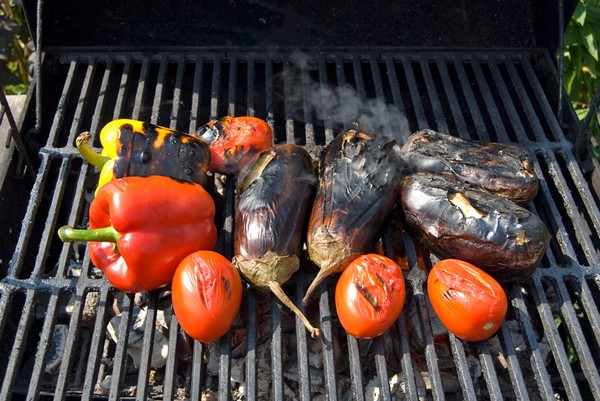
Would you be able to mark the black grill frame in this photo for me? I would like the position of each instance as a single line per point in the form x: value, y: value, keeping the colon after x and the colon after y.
x: 500, y: 95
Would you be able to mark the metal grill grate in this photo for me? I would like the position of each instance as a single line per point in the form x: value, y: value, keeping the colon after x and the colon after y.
x: 549, y: 344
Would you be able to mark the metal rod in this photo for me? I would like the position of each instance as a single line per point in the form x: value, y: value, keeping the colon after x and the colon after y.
x: 38, y: 66
x: 561, y: 59
x: 14, y: 132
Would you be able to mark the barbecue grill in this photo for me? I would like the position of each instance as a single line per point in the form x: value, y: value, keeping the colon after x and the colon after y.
x: 478, y: 70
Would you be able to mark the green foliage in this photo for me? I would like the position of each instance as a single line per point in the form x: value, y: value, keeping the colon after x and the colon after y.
x: 582, y: 48
x: 15, y: 48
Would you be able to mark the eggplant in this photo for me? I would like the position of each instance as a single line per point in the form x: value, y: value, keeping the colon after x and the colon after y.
x: 359, y: 183
x: 456, y: 220
x: 503, y: 169
x: 275, y: 193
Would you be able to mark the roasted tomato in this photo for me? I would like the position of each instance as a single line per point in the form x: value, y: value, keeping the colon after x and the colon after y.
x: 234, y: 141
x: 468, y: 301
x: 369, y: 295
x: 206, y: 292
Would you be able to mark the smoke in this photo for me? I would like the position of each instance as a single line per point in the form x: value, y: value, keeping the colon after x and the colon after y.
x: 341, y: 105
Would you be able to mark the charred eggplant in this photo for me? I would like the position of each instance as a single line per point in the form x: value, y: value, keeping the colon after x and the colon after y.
x: 359, y: 182
x: 457, y: 221
x: 276, y: 191
x: 503, y: 169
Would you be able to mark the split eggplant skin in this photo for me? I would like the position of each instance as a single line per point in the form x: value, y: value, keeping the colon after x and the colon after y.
x: 359, y: 183
x: 503, y: 169
x: 467, y: 223
x: 276, y: 190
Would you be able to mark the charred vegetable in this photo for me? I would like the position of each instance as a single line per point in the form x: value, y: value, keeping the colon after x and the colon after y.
x: 359, y: 182
x: 136, y: 148
x: 275, y: 191
x: 505, y: 170
x: 461, y: 222
x: 234, y: 141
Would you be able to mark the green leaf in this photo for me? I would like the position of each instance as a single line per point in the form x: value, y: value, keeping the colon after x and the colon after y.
x: 590, y: 63
x: 587, y: 36
x: 580, y: 14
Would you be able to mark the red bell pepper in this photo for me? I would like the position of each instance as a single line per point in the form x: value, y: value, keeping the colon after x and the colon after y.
x: 142, y: 227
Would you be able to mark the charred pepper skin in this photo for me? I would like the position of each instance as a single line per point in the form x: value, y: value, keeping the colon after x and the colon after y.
x: 456, y: 221
x: 504, y: 169
x: 276, y: 191
x: 142, y: 227
x: 137, y: 148
x: 359, y: 182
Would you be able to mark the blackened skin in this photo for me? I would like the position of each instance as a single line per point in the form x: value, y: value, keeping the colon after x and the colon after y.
x: 504, y: 169
x: 454, y: 220
x: 176, y: 155
x: 359, y: 183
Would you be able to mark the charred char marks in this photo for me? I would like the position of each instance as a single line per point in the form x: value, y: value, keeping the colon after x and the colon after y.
x: 504, y: 169
x: 505, y: 240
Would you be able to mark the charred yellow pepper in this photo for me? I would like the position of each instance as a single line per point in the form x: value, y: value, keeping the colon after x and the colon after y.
x: 137, y: 148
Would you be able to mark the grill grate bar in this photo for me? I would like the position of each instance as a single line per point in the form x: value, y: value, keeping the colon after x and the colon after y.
x: 579, y: 341
x: 232, y: 85
x: 538, y: 364
x: 325, y: 93
x: 174, y: 117
x: 355, y: 368
x: 430, y: 354
x: 140, y: 91
x: 276, y: 352
x: 558, y: 351
x: 327, y: 334
x: 302, y: 350
x: 457, y: 115
x: 489, y: 372
x: 120, y: 96
x: 464, y: 377
x: 472, y: 103
x: 195, y: 104
x: 146, y: 355
x: 403, y: 126
x: 92, y: 371
x: 251, y: 336
x: 569, y: 205
x: 542, y: 100
x: 250, y: 76
x: 158, y: 89
x: 409, y: 78
x: 216, y: 83
x: 197, y: 376
x: 488, y: 99
x: 49, y: 226
x: 121, y: 349
x: 514, y: 369
x: 440, y: 119
x: 72, y: 335
x: 18, y: 348
x: 169, y: 383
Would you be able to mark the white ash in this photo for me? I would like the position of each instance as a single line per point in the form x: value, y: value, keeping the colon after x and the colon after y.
x: 160, y: 346
x: 56, y: 348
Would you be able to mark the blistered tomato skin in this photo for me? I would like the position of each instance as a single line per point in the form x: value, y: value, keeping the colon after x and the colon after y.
x: 369, y: 295
x: 470, y: 303
x: 207, y: 293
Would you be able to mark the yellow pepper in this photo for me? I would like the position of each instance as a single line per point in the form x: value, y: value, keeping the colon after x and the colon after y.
x: 137, y: 148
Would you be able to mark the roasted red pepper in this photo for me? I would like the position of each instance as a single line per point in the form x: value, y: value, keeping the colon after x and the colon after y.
x: 141, y: 228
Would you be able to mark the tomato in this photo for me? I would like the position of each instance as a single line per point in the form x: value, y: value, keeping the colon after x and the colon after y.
x: 207, y: 293
x: 468, y: 301
x: 369, y: 295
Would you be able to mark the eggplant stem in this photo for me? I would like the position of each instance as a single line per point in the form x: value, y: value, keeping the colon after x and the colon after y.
x: 321, y: 275
x: 89, y: 154
x: 104, y: 234
x: 278, y: 291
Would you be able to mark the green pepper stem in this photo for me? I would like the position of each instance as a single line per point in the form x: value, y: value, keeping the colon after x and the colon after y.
x: 89, y: 154
x: 104, y: 234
